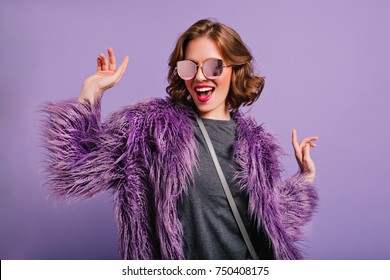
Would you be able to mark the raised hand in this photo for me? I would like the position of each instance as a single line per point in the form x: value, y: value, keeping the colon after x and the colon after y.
x: 106, y: 76
x: 302, y: 154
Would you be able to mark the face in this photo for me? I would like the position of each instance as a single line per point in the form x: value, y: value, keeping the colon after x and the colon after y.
x: 208, y: 95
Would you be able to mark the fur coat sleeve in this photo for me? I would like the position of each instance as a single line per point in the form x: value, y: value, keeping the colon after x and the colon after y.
x: 143, y: 152
x: 282, y: 207
x: 82, y: 158
x: 86, y: 157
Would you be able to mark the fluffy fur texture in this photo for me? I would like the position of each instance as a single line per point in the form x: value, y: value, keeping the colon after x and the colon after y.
x: 146, y: 154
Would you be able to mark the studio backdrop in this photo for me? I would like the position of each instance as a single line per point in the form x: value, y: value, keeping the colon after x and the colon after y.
x: 326, y: 65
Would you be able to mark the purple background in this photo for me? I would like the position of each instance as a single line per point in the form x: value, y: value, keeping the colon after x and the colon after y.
x: 327, y: 66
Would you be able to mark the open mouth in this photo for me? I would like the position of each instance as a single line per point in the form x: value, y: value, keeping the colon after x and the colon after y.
x: 204, y: 93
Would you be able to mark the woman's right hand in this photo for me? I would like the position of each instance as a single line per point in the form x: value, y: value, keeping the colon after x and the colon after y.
x: 106, y: 76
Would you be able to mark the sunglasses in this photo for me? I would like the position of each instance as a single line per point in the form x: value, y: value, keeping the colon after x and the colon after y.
x: 212, y: 68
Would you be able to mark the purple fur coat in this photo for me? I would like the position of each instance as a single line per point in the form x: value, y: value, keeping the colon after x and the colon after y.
x: 146, y: 154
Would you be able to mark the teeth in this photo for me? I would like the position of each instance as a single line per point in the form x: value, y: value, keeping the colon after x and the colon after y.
x: 204, y: 89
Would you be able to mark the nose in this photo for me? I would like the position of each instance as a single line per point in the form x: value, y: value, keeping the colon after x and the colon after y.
x: 199, y: 76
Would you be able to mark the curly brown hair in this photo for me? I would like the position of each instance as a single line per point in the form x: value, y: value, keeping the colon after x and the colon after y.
x: 245, y: 87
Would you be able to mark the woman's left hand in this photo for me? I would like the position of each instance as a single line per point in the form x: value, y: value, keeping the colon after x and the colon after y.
x: 302, y: 154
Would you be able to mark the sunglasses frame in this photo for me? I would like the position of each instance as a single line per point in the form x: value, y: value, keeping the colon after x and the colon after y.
x: 201, y: 67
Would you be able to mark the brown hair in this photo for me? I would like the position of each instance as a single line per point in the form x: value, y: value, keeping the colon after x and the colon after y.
x: 245, y: 87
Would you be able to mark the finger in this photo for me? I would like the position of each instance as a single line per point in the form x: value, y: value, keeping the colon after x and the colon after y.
x: 111, y: 57
x: 121, y: 70
x: 311, y: 138
x: 297, y: 149
x: 104, y: 61
x: 124, y: 63
x: 306, y: 154
x: 295, y: 139
x: 307, y: 140
x: 99, y: 64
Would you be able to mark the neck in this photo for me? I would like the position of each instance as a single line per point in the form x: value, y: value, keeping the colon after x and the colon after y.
x: 222, y: 116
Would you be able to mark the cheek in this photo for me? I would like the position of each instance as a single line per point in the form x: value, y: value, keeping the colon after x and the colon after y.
x: 225, y: 81
x: 188, y: 85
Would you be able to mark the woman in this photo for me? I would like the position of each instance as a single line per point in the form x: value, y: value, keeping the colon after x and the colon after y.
x: 169, y: 203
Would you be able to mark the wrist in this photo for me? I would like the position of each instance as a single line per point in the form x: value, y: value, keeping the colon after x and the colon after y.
x: 309, y: 177
x: 88, y: 94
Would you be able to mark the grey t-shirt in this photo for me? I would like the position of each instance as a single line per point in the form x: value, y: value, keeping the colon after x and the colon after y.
x: 210, y: 230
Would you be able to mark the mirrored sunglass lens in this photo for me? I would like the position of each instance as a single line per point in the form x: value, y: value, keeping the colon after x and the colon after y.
x: 213, y: 68
x: 186, y: 69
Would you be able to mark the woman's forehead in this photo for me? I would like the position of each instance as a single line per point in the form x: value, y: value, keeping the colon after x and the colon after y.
x: 201, y: 49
